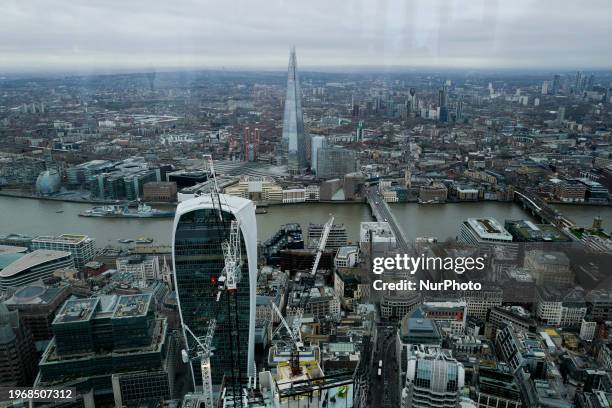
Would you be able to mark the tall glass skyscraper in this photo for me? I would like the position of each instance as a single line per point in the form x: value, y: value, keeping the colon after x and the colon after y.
x: 317, y: 143
x: 294, y: 138
x: 198, y: 260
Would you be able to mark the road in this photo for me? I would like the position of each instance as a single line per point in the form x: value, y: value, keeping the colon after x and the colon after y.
x: 382, y: 212
x: 383, y: 390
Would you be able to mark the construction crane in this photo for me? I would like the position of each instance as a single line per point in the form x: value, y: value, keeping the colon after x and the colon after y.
x: 293, y: 330
x: 295, y: 337
x: 228, y: 286
x: 205, y: 349
x: 322, y: 242
x: 214, y: 191
x: 230, y: 276
x: 231, y: 248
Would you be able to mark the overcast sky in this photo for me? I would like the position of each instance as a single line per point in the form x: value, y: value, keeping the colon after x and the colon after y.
x: 118, y: 34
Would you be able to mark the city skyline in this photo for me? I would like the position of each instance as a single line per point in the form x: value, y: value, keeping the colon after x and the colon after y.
x: 418, y: 34
x: 390, y: 238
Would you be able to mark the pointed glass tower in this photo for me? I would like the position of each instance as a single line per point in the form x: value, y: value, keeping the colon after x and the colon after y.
x: 294, y: 138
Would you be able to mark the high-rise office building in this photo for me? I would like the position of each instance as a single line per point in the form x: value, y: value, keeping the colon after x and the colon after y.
x: 359, y: 132
x: 37, y: 305
x: 459, y: 111
x: 433, y: 380
x: 99, y: 344
x: 443, y: 104
x: 198, y: 262
x: 561, y: 114
x: 317, y: 143
x: 250, y: 144
x: 335, y: 161
x: 294, y: 137
x: 354, y: 107
x: 17, y: 351
x: 578, y: 84
x: 556, y: 84
x: 412, y: 100
x: 589, y: 82
x: 81, y: 247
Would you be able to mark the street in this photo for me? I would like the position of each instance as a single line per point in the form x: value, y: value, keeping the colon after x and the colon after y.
x: 383, y: 389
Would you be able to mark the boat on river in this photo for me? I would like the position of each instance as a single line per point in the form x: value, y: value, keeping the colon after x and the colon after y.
x: 123, y: 211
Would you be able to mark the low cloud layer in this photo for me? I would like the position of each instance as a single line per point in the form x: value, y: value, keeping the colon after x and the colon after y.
x: 115, y: 34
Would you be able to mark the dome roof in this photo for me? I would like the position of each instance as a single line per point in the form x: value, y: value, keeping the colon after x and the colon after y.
x: 48, y: 182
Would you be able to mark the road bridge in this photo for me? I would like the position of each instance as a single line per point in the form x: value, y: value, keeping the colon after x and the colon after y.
x: 382, y: 213
x: 541, y: 210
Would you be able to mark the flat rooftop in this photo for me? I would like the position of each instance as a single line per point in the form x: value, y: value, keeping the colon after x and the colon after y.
x: 418, y: 326
x: 345, y: 251
x: 445, y: 305
x: 77, y: 310
x: 379, y: 229
x: 64, y: 238
x: 547, y: 258
x: 10, y: 249
x: 520, y: 275
x: 527, y: 231
x: 107, y: 306
x: 132, y: 305
x: 489, y: 228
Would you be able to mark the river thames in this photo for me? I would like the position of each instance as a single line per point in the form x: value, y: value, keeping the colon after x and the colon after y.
x: 37, y: 217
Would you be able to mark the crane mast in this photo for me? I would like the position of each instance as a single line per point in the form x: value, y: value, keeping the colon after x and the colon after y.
x: 205, y: 349
x: 294, y: 334
x: 232, y: 257
x: 322, y: 242
x: 293, y: 330
x: 228, y: 285
x: 214, y: 191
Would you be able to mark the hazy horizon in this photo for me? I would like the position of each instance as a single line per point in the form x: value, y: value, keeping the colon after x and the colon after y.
x: 110, y: 36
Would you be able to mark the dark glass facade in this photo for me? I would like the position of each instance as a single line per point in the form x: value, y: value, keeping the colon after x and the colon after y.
x: 198, y: 258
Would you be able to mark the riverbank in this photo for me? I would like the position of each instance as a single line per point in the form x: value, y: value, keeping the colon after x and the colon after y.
x: 4, y: 193
x: 30, y: 196
x: 40, y: 217
x: 586, y: 203
x: 44, y: 217
x: 21, y: 194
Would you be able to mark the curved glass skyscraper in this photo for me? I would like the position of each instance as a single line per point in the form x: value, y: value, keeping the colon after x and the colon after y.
x: 294, y: 138
x: 198, y: 261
